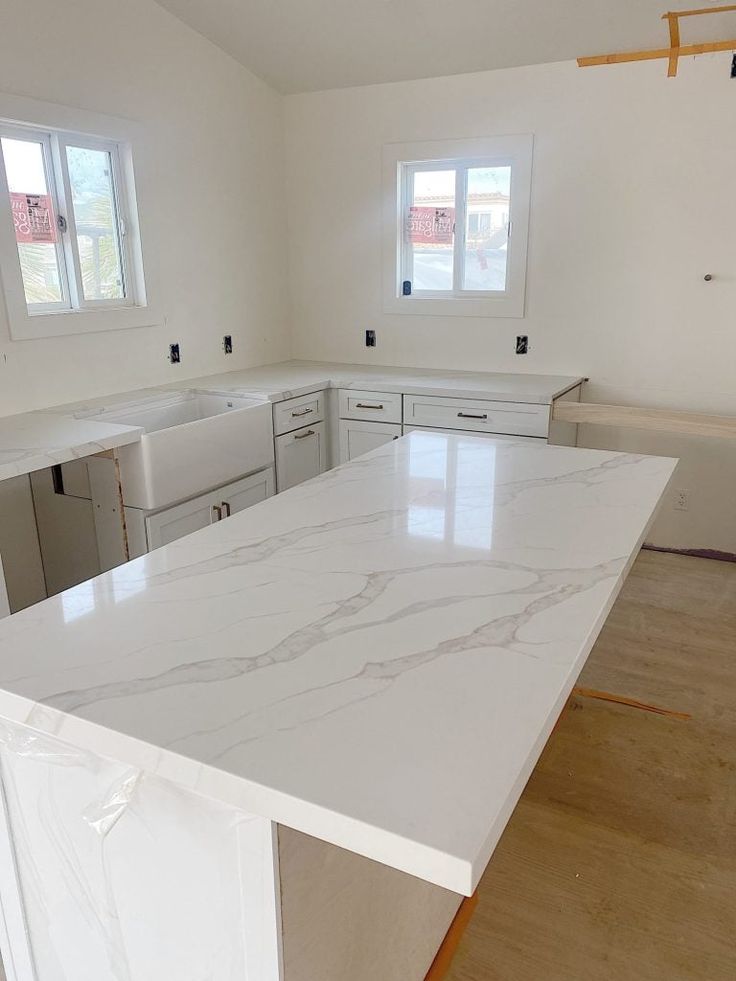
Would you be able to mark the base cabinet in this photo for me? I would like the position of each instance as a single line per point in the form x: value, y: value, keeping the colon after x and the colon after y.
x: 300, y: 455
x: 357, y: 438
x: 148, y: 531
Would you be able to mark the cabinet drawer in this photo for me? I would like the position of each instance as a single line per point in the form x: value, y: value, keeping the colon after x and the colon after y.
x: 510, y: 418
x: 371, y: 406
x: 295, y: 413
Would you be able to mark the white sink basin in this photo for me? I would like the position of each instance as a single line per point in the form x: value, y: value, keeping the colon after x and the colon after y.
x: 193, y: 441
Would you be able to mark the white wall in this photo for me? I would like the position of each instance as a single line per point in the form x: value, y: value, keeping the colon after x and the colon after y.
x: 632, y: 204
x: 209, y: 171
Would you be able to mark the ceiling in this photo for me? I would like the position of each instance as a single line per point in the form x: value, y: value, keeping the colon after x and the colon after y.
x: 306, y: 45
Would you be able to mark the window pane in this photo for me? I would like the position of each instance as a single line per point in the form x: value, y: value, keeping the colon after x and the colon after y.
x: 34, y: 219
x: 487, y: 228
x: 95, y: 215
x: 430, y: 229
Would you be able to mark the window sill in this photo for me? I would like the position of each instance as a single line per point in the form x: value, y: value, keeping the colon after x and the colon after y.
x: 503, y: 305
x: 58, y: 323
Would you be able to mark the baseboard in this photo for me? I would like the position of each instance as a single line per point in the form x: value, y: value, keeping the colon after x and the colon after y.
x: 698, y: 553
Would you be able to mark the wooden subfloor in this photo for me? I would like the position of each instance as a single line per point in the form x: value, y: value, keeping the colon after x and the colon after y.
x: 619, y: 863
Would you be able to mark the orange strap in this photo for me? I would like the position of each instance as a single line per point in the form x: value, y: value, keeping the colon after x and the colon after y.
x: 443, y: 960
x: 606, y: 696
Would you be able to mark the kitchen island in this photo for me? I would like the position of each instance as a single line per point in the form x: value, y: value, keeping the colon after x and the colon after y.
x: 286, y: 746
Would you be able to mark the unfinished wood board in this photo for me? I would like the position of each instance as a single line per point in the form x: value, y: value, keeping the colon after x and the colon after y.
x: 346, y: 918
x: 619, y: 864
x: 633, y: 417
x: 676, y: 49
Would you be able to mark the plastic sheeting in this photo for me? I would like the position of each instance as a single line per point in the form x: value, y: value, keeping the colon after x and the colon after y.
x: 122, y: 876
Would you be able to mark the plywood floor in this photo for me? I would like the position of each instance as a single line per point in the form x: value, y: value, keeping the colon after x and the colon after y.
x: 619, y: 863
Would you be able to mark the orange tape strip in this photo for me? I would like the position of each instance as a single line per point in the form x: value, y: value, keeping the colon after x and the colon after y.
x: 443, y: 960
x: 606, y: 696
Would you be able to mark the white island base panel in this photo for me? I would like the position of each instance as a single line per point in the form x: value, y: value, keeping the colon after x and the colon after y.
x: 108, y: 873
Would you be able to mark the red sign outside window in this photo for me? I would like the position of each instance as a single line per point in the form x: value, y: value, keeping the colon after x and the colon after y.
x: 430, y: 226
x: 33, y: 217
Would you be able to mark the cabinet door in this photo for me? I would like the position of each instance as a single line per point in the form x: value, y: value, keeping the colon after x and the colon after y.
x: 246, y: 492
x: 357, y: 438
x: 183, y: 519
x: 300, y: 455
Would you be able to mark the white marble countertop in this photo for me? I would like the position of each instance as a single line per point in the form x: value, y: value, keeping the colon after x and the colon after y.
x: 35, y: 440
x: 292, y: 378
x: 375, y: 657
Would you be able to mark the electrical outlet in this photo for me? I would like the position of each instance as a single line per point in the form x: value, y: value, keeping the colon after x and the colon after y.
x: 682, y: 500
x: 370, y: 338
x: 522, y: 344
x: 227, y: 344
x: 174, y: 354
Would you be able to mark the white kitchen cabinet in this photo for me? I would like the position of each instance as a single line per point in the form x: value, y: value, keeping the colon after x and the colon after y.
x: 357, y: 438
x: 370, y: 406
x: 166, y: 526
x: 300, y: 455
x: 298, y: 412
x: 478, y: 415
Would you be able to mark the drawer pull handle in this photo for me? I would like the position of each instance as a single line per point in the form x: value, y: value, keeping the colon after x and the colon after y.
x: 304, y: 412
x: 471, y: 415
x: 309, y: 432
x: 226, y: 508
x: 215, y: 513
x: 363, y: 405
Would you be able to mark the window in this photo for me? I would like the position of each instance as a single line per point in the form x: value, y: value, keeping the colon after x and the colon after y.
x: 70, y: 253
x: 456, y: 226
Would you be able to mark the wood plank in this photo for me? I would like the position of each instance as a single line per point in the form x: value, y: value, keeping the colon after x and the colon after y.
x: 674, y: 44
x: 699, y: 11
x: 620, y: 860
x: 653, y: 54
x: 633, y: 417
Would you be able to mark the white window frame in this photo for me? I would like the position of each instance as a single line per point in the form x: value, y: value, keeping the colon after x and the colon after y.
x: 400, y: 162
x: 57, y: 127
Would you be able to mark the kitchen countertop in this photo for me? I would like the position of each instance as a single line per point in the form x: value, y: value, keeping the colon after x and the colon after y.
x: 35, y: 440
x: 375, y: 657
x: 292, y: 378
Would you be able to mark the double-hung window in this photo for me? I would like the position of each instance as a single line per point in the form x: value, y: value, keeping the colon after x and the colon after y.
x: 69, y: 246
x: 457, y: 215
